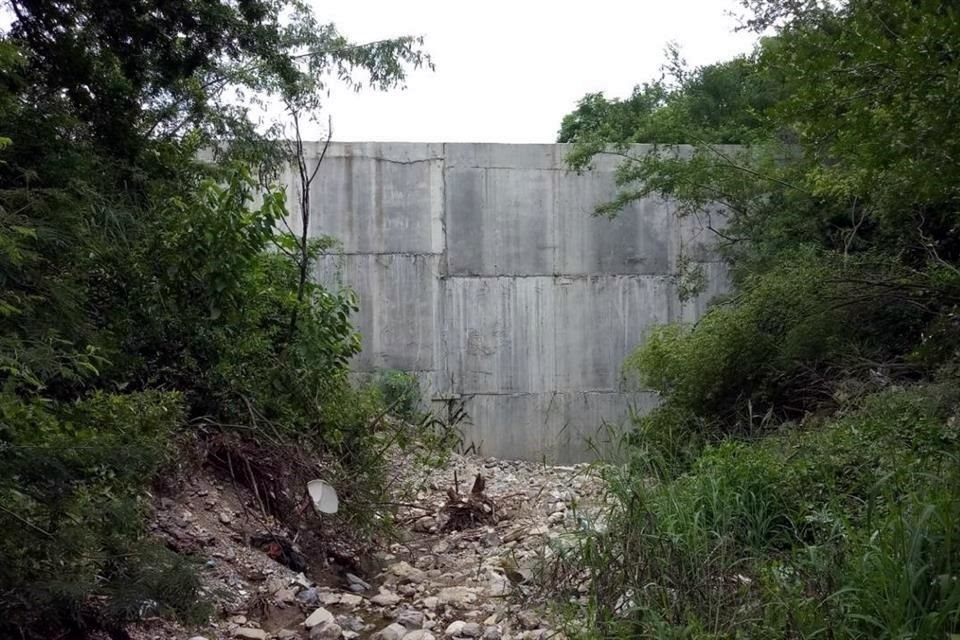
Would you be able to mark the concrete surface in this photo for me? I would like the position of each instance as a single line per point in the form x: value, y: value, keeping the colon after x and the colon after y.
x: 480, y: 269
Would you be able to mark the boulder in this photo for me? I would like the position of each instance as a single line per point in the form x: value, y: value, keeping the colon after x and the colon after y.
x: 318, y: 617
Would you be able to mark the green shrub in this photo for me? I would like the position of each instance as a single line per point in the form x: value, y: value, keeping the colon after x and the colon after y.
x: 846, y: 528
x: 401, y: 393
x: 779, y: 347
x: 73, y: 514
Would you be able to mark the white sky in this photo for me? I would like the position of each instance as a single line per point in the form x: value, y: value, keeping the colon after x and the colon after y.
x: 508, y: 70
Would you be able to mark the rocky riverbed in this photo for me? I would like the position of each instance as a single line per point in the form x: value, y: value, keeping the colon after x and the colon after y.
x: 433, y: 584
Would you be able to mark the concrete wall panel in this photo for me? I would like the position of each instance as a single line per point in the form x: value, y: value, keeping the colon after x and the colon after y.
x: 480, y: 268
x: 540, y: 334
x: 556, y: 427
x: 376, y: 198
x: 398, y: 299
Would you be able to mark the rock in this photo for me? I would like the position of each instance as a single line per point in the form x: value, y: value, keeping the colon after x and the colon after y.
x: 426, y: 562
x: 328, y: 598
x: 409, y: 590
x: 410, y: 619
x: 471, y: 630
x: 318, y: 617
x: 286, y: 596
x: 391, y: 632
x: 286, y: 634
x: 419, y: 634
x: 556, y: 518
x: 350, y: 600
x: 458, y: 597
x: 326, y: 631
x: 426, y: 524
x: 405, y: 571
x: 350, y: 623
x: 441, y: 548
x: 431, y: 602
x: 240, y: 620
x: 385, y: 598
x: 301, y: 581
x: 250, y: 633
x: 492, y: 632
x: 498, y: 586
x: 490, y: 539
x: 454, y: 628
x: 309, y: 596
x: 357, y: 583
x: 528, y: 619
x: 492, y: 619
x: 225, y: 517
x: 350, y: 635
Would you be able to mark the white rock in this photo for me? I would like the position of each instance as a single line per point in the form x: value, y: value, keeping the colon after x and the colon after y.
x: 419, y: 634
x: 471, y: 630
x: 318, y: 617
x: 405, y: 571
x: 391, y: 632
x: 300, y: 580
x: 326, y: 631
x: 385, y: 598
x: 498, y: 586
x: 286, y: 596
x: 454, y: 628
x: 431, y: 602
x: 250, y: 634
x: 493, y: 632
x: 350, y: 601
x: 457, y: 596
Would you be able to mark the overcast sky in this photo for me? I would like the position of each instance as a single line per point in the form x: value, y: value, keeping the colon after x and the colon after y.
x: 508, y: 70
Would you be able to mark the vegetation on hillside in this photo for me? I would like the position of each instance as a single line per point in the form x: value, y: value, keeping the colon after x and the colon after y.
x: 147, y: 299
x: 800, y: 477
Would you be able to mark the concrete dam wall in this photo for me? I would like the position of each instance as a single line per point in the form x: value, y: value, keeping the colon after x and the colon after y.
x: 480, y: 269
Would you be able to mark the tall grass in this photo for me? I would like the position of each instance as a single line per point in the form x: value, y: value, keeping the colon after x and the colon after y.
x: 847, y: 530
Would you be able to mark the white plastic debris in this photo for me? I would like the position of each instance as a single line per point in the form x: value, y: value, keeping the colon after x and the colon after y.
x: 324, y: 496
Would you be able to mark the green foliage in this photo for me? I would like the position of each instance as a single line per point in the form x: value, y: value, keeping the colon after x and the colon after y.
x: 72, y: 508
x: 776, y: 492
x: 845, y: 123
x: 845, y: 528
x: 401, y: 393
x: 782, y: 346
x: 129, y: 266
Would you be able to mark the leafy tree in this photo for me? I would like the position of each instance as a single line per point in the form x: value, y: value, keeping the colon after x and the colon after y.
x: 144, y: 289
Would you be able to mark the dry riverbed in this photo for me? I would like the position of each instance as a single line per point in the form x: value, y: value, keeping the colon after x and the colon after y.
x: 434, y: 584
